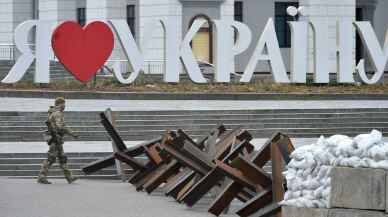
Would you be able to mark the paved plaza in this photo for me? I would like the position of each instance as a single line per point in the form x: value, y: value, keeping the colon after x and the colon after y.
x: 88, y: 198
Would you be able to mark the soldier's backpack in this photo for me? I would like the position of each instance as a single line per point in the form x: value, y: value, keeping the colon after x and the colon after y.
x: 47, y: 135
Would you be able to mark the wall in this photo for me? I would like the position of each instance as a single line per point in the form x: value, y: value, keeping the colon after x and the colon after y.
x: 137, y: 22
x: 149, y: 10
x: 256, y: 14
x: 81, y: 3
x: 22, y: 11
x: 227, y: 10
x: 12, y: 13
x: 57, y: 10
x: 331, y: 11
x: 6, y: 22
x: 190, y: 10
x: 381, y: 21
x: 106, y: 10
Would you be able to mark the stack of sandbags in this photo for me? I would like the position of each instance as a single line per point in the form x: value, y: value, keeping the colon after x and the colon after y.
x: 308, y: 173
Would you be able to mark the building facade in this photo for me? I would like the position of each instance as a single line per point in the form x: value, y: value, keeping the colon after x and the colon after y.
x: 254, y: 13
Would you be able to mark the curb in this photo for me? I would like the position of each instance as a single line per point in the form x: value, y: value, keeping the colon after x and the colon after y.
x: 186, y: 96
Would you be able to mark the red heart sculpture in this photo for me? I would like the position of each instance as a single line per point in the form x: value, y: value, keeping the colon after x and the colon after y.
x: 82, y: 51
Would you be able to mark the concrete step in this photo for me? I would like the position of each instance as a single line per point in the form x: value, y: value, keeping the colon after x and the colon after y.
x: 191, y: 127
x: 199, y: 113
x: 200, y: 118
x: 53, y: 172
x: 26, y: 166
x: 105, y: 177
x: 252, y: 116
x: 193, y: 130
x: 146, y: 135
x: 261, y: 111
x: 125, y: 123
x: 29, y: 164
x: 142, y: 125
x: 208, y: 116
x: 20, y: 161
x: 218, y: 112
x: 70, y: 155
x: 264, y: 133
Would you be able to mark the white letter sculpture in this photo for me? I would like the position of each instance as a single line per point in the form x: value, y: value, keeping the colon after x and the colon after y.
x: 233, y: 38
x: 299, y: 50
x: 175, y: 52
x: 377, y: 55
x: 43, y: 45
x: 132, y: 52
x: 269, y: 42
x: 345, y: 56
x: 321, y: 50
x: 227, y: 48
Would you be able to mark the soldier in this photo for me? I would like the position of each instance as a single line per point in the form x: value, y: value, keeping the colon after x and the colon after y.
x: 56, y: 131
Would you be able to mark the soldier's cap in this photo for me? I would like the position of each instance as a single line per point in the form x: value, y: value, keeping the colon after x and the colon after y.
x: 59, y: 100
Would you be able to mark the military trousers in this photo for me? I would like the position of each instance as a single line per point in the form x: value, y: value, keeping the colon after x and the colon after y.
x: 55, y: 153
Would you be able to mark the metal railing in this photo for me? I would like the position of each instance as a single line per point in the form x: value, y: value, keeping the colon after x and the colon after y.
x: 123, y: 66
x: 7, y: 52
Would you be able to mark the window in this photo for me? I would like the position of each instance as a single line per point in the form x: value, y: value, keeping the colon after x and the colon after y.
x: 81, y: 16
x: 35, y: 16
x: 131, y: 18
x: 202, y: 43
x: 238, y: 11
x: 281, y: 17
x: 359, y: 46
x: 35, y: 9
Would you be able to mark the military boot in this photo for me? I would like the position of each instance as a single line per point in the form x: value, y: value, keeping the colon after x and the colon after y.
x: 43, y: 181
x: 71, y: 179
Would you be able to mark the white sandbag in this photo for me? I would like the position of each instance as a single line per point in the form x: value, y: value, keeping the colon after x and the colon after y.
x: 308, y: 173
x: 365, y: 141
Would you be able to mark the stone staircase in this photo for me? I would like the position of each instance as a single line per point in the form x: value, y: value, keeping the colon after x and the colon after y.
x: 27, y: 165
x: 143, y: 125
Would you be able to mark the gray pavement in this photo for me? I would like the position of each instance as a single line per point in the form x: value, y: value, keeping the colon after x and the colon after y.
x: 89, y: 198
x: 39, y: 104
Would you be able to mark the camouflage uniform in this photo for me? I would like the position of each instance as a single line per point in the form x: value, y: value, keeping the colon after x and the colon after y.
x: 56, y: 131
